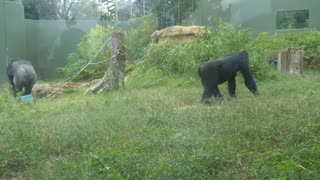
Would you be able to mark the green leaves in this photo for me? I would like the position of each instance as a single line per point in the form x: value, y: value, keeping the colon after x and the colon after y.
x: 171, y: 58
x: 172, y: 12
x: 137, y: 39
x: 89, y: 45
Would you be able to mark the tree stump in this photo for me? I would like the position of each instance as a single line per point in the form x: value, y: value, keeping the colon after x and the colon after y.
x: 290, y: 60
x: 114, y: 76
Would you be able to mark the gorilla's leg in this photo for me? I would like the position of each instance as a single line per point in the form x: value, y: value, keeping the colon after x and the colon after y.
x: 12, y: 88
x: 210, y: 87
x: 206, y: 95
x: 28, y: 89
x: 215, y: 91
x: 232, y: 86
x: 17, y: 90
x: 249, y: 82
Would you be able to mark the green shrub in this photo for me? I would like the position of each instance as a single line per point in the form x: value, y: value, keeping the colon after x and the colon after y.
x: 184, y: 59
x: 224, y: 40
x: 171, y: 58
x: 137, y: 39
x: 261, y: 49
x: 310, y: 41
x: 89, y: 45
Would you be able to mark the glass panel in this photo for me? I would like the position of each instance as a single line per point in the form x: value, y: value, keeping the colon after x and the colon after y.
x: 293, y: 19
x: 48, y: 32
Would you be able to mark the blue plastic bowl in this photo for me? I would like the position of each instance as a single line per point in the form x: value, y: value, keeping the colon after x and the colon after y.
x: 27, y: 97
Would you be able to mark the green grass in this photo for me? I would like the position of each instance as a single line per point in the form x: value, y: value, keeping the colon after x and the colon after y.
x: 164, y: 132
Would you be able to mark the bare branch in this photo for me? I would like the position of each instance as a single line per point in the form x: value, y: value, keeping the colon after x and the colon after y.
x: 63, y: 84
x: 69, y: 8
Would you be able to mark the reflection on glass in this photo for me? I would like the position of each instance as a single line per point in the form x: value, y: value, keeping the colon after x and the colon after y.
x: 293, y: 19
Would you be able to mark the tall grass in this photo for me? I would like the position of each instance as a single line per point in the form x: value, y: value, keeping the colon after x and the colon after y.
x: 164, y: 132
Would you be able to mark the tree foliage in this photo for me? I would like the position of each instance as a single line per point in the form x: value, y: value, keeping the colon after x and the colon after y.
x: 88, y: 47
x: 169, y: 12
x: 138, y: 38
x: 209, y: 13
x: 60, y: 9
x: 294, y: 19
x: 166, y: 12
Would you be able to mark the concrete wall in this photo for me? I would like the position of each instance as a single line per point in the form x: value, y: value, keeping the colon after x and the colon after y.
x: 50, y: 42
x: 2, y: 43
x: 45, y: 43
x: 256, y: 15
x: 312, y: 5
x: 12, y: 33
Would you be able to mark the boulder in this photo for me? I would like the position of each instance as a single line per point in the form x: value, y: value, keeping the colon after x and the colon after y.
x: 177, y: 34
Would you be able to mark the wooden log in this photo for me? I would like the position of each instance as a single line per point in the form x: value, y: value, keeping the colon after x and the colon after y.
x: 114, y: 76
x: 290, y: 60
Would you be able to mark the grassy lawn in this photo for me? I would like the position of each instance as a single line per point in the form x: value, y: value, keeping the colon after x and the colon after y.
x: 164, y: 132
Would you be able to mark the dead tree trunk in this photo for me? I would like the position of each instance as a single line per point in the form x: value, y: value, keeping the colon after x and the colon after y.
x: 290, y: 60
x: 114, y: 76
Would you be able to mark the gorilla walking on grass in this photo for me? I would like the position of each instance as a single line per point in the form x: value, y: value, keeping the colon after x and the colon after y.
x: 22, y: 76
x: 215, y: 72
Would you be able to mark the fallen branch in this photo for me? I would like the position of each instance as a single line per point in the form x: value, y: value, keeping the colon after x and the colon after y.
x: 65, y: 83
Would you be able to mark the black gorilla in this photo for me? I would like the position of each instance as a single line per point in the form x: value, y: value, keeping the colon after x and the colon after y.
x: 215, y: 72
x: 22, y: 76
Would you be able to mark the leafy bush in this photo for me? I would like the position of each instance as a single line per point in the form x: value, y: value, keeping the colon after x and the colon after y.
x: 310, y: 41
x: 224, y: 40
x: 89, y: 45
x: 138, y: 38
x: 184, y: 58
x: 265, y: 46
x: 170, y: 58
x: 261, y: 50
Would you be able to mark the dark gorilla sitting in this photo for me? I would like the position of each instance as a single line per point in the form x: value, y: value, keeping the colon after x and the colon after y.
x: 215, y: 72
x: 22, y: 76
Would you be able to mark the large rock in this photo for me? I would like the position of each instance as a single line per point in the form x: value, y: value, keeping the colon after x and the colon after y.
x: 177, y: 34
